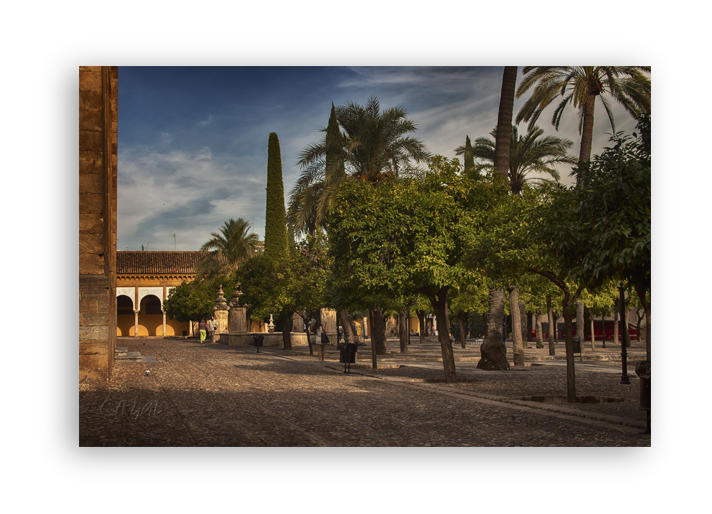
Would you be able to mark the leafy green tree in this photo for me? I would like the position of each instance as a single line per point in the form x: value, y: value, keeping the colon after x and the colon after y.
x: 292, y: 285
x: 193, y: 301
x: 409, y: 237
x: 580, y: 86
x: 613, y: 208
x: 226, y: 250
x: 276, y: 240
x: 371, y: 145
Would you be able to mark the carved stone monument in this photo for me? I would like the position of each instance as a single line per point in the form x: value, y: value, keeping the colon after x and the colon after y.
x: 238, y: 315
x: 238, y: 334
x: 221, y: 309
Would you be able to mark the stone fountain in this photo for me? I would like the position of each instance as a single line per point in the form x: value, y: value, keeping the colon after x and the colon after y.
x: 238, y: 334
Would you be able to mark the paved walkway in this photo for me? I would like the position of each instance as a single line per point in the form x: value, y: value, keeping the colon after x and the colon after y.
x: 217, y: 395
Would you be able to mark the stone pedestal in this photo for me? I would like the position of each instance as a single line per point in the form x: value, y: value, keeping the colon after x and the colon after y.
x: 238, y: 315
x: 221, y: 310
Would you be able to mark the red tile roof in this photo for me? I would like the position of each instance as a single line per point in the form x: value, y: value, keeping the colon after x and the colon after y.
x: 156, y: 263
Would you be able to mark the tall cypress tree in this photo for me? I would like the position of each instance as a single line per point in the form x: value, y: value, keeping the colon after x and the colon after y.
x: 276, y: 240
x: 334, y: 149
x: 469, y: 157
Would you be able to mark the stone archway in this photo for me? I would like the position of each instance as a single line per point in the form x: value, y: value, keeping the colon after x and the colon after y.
x: 125, y: 317
x: 151, y: 319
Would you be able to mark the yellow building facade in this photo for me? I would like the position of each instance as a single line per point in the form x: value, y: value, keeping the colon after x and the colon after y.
x: 143, y: 282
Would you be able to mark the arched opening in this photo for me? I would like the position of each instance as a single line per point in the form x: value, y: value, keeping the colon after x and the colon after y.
x: 150, y: 317
x: 124, y: 315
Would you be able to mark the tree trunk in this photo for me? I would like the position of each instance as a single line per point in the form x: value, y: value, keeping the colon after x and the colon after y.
x: 570, y: 370
x: 616, y: 340
x: 349, y: 335
x: 626, y: 332
x: 503, y: 139
x: 603, y: 327
x: 403, y: 329
x: 580, y: 323
x: 461, y: 324
x: 374, y: 355
x: 421, y: 326
x: 493, y: 350
x: 517, y: 343
x: 539, y: 338
x: 378, y: 334
x: 593, y: 333
x: 550, y: 317
x: 439, y: 303
x: 647, y: 333
x: 286, y: 322
x: 523, y: 322
x: 556, y: 327
x: 587, y: 130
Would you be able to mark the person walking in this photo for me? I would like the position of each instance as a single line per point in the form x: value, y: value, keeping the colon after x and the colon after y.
x: 339, y: 333
x: 203, y: 327
x: 321, y: 336
x: 212, y: 325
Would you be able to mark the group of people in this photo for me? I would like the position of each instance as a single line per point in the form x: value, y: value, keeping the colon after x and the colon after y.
x: 208, y: 328
x: 322, y: 332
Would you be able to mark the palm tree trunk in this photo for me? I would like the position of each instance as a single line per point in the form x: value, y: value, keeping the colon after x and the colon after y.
x: 517, y: 343
x: 503, y: 140
x: 493, y: 350
x: 587, y: 130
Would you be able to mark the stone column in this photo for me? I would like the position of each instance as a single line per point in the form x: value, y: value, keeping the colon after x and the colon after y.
x: 238, y: 316
x: 135, y: 322
x: 164, y: 323
x: 221, y: 309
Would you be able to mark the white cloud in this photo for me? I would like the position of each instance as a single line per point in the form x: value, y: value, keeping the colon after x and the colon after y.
x: 207, y: 122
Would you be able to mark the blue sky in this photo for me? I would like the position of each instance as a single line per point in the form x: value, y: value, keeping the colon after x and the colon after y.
x: 193, y: 140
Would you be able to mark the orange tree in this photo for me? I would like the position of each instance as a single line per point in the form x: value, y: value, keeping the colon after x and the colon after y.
x: 403, y: 238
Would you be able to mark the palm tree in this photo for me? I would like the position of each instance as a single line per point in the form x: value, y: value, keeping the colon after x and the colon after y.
x: 494, y: 353
x: 226, y: 250
x: 580, y: 85
x: 323, y: 171
x: 528, y: 154
x: 374, y: 146
x: 361, y: 142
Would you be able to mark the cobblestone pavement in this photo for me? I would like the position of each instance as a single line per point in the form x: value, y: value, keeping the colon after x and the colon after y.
x: 218, y: 395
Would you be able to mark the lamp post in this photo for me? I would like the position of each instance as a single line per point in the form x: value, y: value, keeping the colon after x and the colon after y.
x: 624, y: 360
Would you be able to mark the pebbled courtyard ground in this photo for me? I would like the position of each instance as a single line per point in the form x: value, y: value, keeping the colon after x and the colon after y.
x: 218, y: 395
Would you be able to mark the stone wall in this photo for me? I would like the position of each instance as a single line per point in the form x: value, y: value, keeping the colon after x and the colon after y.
x: 98, y: 107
